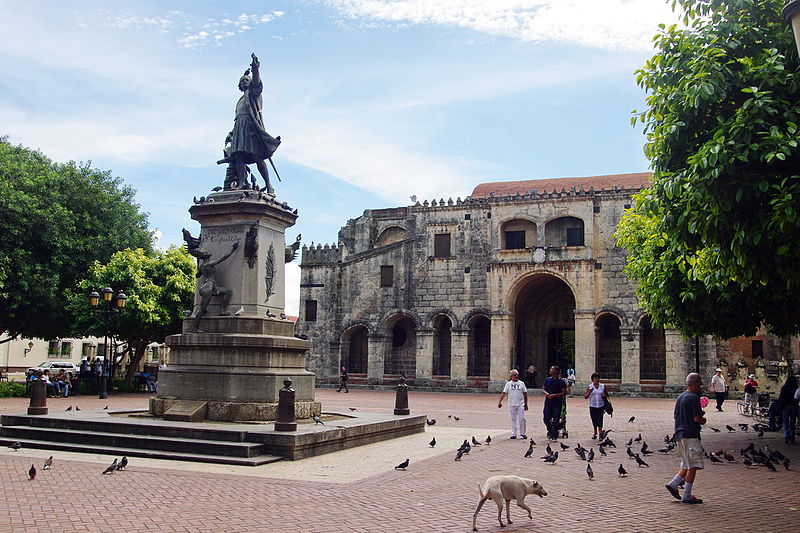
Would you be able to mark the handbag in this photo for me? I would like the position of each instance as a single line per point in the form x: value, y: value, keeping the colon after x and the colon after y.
x: 608, y: 408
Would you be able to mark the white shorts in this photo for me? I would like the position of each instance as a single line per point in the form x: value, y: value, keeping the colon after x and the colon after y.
x: 691, y: 453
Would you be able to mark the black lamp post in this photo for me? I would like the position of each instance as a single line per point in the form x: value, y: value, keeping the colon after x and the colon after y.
x: 791, y: 12
x: 113, y: 306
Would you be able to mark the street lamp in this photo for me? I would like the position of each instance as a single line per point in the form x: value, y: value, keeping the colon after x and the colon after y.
x: 791, y: 12
x: 28, y: 349
x: 113, y: 307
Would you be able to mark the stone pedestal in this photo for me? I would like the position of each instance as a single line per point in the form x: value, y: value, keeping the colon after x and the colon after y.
x: 236, y: 365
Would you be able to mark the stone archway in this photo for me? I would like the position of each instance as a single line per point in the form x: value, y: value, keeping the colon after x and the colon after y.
x: 544, y: 324
x: 442, y: 345
x: 608, y: 347
x: 355, y: 350
x: 401, y: 347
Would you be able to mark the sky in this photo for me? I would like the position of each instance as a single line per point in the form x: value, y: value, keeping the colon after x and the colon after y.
x: 374, y: 100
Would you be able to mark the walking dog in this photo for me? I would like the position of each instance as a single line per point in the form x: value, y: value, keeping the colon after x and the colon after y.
x: 499, y: 488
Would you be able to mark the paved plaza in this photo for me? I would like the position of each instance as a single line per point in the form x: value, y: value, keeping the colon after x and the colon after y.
x: 359, y: 490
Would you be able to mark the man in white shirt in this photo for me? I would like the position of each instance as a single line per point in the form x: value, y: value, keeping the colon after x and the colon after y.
x: 517, y: 403
x: 718, y: 388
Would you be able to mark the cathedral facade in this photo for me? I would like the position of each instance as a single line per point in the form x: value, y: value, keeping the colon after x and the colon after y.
x: 454, y: 294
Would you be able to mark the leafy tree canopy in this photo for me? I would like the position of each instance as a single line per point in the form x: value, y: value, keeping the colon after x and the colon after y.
x: 56, y: 220
x: 713, y: 242
x: 159, y: 286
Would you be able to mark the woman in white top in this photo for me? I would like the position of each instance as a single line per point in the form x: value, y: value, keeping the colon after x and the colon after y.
x: 596, y: 394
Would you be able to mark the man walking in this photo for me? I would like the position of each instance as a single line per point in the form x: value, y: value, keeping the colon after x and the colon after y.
x: 517, y: 404
x: 555, y: 389
x: 689, y: 416
x: 718, y: 388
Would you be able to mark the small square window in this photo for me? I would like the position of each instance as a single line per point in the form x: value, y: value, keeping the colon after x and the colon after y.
x: 311, y: 310
x: 466, y: 270
x: 596, y: 209
x: 66, y: 349
x: 574, y: 236
x: 467, y: 216
x: 387, y: 276
x: 441, y: 245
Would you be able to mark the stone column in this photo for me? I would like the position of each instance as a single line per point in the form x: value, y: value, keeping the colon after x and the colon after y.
x: 459, y: 342
x: 501, y: 347
x: 424, y: 357
x: 631, y: 337
x: 585, y: 362
x: 377, y: 352
x: 679, y: 360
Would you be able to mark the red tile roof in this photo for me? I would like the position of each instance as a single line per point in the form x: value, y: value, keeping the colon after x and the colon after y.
x: 505, y: 188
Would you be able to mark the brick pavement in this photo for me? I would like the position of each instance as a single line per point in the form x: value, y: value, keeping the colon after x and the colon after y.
x: 434, y: 494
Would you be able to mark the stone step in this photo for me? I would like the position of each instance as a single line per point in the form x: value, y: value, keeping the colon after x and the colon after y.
x: 137, y: 452
x: 142, y: 442
x: 127, y: 427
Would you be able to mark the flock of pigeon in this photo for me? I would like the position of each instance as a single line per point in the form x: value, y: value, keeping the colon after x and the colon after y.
x: 750, y: 455
x: 120, y: 464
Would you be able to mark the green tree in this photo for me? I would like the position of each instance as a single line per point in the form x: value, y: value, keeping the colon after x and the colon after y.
x: 159, y: 286
x: 713, y: 242
x: 56, y: 220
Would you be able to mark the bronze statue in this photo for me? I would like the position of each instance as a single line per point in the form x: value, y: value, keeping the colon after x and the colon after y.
x: 207, y: 270
x: 248, y: 142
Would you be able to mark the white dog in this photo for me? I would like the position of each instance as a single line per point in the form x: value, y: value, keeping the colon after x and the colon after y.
x: 499, y: 488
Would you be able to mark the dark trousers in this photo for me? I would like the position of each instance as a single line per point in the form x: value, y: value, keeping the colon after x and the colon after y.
x: 342, y: 384
x: 552, y: 414
x: 720, y: 396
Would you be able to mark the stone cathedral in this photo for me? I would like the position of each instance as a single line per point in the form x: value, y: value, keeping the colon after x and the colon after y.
x: 455, y: 293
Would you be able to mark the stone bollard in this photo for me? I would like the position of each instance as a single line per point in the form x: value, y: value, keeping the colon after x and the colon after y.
x: 285, y: 419
x: 401, y: 398
x: 38, y: 405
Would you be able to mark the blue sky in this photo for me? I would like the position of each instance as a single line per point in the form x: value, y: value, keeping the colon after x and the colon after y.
x: 374, y: 100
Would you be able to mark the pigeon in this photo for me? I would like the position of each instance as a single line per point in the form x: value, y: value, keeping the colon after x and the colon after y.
x: 714, y: 459
x: 640, y: 461
x: 217, y: 188
x: 749, y: 448
x: 317, y: 420
x: 646, y: 452
x: 532, y: 442
x: 563, y: 446
x: 15, y: 445
x: 122, y: 464
x: 239, y: 311
x: 432, y: 443
x: 629, y: 443
x: 68, y: 408
x: 631, y: 419
x: 489, y: 440
x: 715, y: 430
x: 402, y: 466
x: 622, y: 471
x: 475, y: 441
x: 466, y: 449
x: 630, y: 453
x: 549, y: 450
x: 603, y: 434
x: 32, y: 473
x: 666, y: 439
x: 111, y: 468
x: 589, y: 471
x: 608, y: 443
x: 730, y: 428
x: 644, y: 445
x: 456, y: 418
x: 581, y: 453
x: 449, y: 416
x: 552, y: 459
x: 590, y: 457
x: 355, y: 409
x: 728, y: 457
x: 431, y: 422
x: 529, y: 452
x: 664, y: 450
x: 786, y: 463
x: 602, y: 451
x: 775, y: 454
x: 769, y: 465
x: 638, y: 439
x: 77, y: 408
x: 748, y: 462
x: 743, y: 427
x: 459, y: 454
x: 48, y: 463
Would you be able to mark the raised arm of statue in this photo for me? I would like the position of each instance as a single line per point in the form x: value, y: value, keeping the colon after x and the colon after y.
x: 255, y: 67
x: 215, y: 262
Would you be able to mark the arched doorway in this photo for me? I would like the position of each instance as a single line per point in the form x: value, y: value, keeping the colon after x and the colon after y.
x: 544, y: 324
x: 442, y: 345
x: 608, y: 345
x: 355, y: 342
x: 652, y: 352
x: 401, y: 351
x: 479, y: 348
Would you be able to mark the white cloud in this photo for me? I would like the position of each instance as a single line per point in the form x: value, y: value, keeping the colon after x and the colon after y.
x: 606, y: 24
x: 215, y: 31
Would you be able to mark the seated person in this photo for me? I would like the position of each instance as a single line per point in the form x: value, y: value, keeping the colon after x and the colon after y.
x: 62, y: 383
x: 52, y: 389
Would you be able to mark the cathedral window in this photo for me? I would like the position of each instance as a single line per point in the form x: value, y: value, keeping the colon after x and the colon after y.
x: 311, y: 311
x: 441, y: 245
x: 387, y: 276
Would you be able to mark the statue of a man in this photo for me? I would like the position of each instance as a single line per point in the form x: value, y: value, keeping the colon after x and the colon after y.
x: 249, y: 141
x: 207, y: 271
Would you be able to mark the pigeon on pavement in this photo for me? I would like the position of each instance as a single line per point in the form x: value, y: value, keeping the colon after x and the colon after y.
x: 68, y: 408
x: 122, y: 464
x: 631, y: 419
x: 475, y: 441
x: 32, y: 473
x: 622, y: 471
x: 48, y: 463
x: 730, y: 429
x: 431, y: 422
x: 110, y: 469
x: 432, y: 443
x: 489, y: 439
x: 589, y: 471
x: 640, y: 461
x: 317, y: 420
x: 15, y: 445
x: 402, y: 466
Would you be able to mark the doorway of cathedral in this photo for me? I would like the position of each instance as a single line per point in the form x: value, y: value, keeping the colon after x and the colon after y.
x: 544, y: 325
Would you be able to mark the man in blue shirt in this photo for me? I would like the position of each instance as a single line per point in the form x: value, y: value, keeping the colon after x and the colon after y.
x: 554, y: 389
x: 689, y: 416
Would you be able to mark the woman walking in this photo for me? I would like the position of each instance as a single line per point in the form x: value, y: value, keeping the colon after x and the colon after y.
x: 343, y: 380
x: 596, y: 394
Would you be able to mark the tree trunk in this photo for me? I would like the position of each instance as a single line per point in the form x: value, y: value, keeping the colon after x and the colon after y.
x: 137, y: 349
